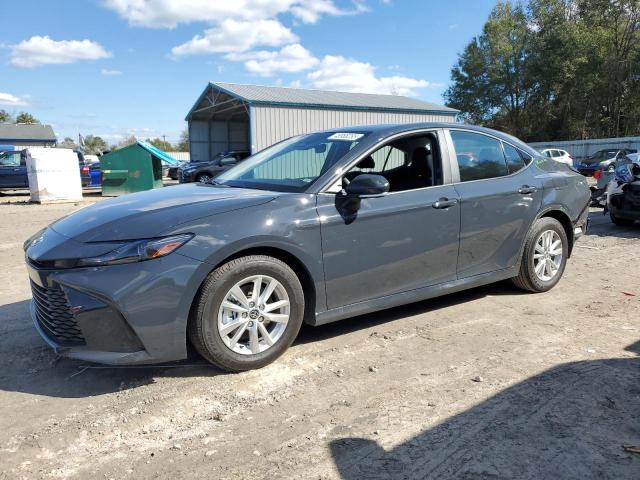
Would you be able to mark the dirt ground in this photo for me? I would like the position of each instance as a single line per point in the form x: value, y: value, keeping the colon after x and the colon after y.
x: 488, y: 383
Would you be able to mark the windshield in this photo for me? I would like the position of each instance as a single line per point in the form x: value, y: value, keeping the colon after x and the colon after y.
x: 294, y: 164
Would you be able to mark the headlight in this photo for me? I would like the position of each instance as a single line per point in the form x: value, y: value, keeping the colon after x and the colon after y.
x: 137, y: 251
x: 30, y: 240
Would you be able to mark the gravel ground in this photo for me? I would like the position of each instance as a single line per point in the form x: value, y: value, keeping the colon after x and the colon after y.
x: 488, y: 383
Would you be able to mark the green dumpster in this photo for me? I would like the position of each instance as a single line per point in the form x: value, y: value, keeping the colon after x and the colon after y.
x: 134, y: 168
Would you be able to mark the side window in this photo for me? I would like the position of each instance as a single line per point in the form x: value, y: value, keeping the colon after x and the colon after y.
x: 526, y: 157
x: 547, y: 153
x: 409, y: 163
x: 479, y: 156
x: 10, y: 159
x: 514, y: 160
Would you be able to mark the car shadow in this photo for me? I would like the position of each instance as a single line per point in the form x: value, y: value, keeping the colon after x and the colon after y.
x: 572, y: 421
x: 601, y: 226
x: 309, y: 334
x: 28, y: 365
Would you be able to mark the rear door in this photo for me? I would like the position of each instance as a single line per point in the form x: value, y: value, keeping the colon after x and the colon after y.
x: 500, y: 199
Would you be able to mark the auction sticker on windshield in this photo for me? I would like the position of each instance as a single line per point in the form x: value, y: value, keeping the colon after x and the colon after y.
x: 350, y: 137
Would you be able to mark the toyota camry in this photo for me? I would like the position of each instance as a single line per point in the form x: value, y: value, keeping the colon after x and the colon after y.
x: 317, y: 228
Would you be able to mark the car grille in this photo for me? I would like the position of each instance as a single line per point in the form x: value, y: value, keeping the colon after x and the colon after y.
x: 54, y: 316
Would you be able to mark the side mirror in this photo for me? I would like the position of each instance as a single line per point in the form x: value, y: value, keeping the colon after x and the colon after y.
x: 367, y: 185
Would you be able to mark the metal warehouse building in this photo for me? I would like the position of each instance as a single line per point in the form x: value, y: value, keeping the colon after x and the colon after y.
x: 230, y: 116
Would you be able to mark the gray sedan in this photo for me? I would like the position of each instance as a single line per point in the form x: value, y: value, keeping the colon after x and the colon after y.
x: 315, y: 229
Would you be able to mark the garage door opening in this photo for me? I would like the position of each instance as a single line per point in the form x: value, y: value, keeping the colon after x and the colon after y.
x: 219, y: 123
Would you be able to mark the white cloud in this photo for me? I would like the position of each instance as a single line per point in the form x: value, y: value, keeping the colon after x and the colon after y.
x: 108, y: 72
x: 342, y: 74
x: 233, y: 36
x: 9, y: 100
x: 290, y: 59
x: 171, y: 13
x: 310, y: 11
x: 43, y: 51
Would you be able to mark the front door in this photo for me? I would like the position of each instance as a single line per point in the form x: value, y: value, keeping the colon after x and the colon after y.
x: 500, y: 199
x: 403, y: 240
x: 13, y: 171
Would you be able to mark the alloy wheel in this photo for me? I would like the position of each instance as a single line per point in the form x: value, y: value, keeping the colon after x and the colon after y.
x: 253, y: 315
x: 547, y: 256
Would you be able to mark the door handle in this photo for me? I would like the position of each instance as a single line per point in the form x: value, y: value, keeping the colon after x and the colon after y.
x: 526, y: 189
x: 444, y: 202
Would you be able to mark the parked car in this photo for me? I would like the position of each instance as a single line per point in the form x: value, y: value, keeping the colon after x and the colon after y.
x: 591, y: 164
x: 173, y: 173
x: 622, y: 193
x: 13, y: 169
x: 204, y: 172
x: 95, y: 174
x: 316, y: 228
x: 558, y: 155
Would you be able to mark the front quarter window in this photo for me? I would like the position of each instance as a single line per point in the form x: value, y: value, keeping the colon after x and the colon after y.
x: 294, y: 164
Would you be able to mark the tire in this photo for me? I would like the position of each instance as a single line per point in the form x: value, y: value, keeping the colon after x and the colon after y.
x: 621, y: 222
x: 209, y: 314
x: 530, y: 280
x: 203, y: 178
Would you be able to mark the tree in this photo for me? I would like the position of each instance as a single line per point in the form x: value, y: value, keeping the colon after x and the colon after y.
x: 5, y: 117
x: 68, y: 143
x: 491, y: 81
x: 183, y: 144
x: 553, y: 69
x: 24, y: 117
x: 161, y: 144
x: 125, y: 143
x: 94, y: 145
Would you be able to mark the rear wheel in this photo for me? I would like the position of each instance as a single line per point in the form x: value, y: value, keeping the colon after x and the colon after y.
x: 248, y: 313
x: 622, y: 222
x: 203, y: 178
x: 544, y: 257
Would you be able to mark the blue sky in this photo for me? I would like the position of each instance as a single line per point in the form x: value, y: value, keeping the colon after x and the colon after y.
x: 120, y: 67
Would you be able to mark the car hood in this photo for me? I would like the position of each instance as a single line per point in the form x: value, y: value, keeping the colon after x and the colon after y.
x: 149, y: 214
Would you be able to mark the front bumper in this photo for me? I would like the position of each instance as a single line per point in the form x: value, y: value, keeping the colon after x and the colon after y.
x: 121, y: 314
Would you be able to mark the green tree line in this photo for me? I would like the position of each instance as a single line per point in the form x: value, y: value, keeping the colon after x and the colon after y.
x: 94, y: 144
x: 553, y: 69
x: 22, y: 117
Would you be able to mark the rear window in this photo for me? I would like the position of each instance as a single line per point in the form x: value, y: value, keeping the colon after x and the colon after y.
x: 515, y: 161
x: 479, y: 156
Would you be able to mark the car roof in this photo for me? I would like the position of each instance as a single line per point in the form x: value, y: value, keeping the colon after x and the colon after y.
x: 386, y: 130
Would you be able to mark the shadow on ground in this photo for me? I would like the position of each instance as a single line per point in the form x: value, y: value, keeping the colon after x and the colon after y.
x: 313, y: 334
x: 569, y: 422
x: 600, y: 225
x: 28, y: 365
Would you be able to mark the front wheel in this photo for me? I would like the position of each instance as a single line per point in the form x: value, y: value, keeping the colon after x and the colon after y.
x: 203, y: 178
x: 544, y: 257
x: 248, y: 312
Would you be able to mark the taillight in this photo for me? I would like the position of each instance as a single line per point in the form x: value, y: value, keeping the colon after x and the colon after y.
x: 85, y: 169
x: 597, y: 174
